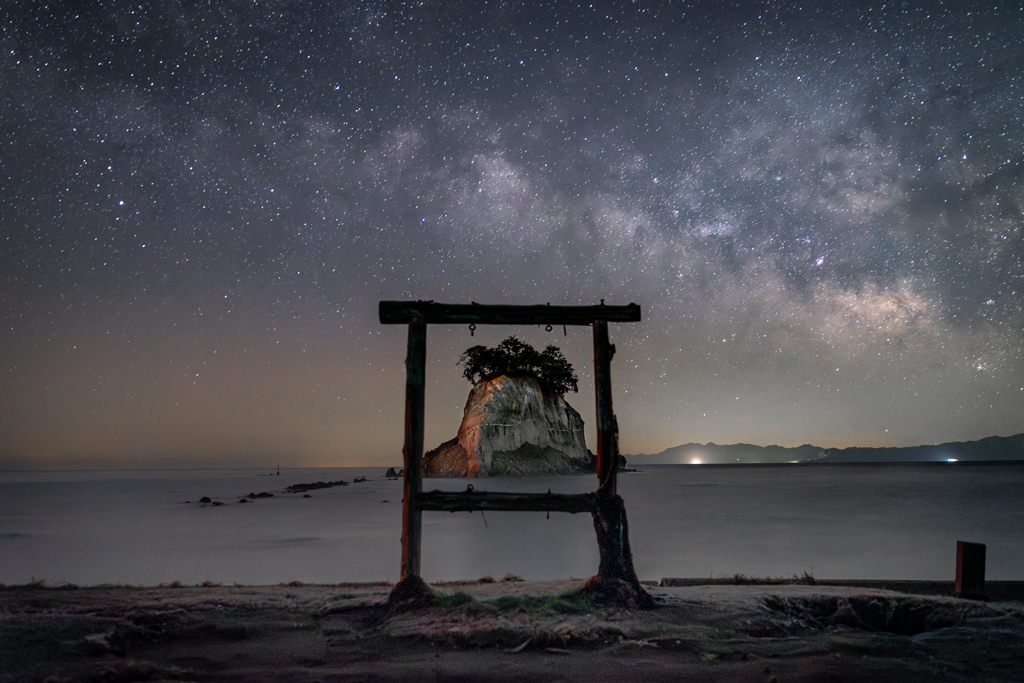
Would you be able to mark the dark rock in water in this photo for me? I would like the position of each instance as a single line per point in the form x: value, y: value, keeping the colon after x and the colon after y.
x: 217, y: 504
x: 392, y: 474
x: 307, y: 496
x: 261, y: 494
x: 300, y: 488
x: 359, y: 480
x: 243, y: 501
x: 510, y: 426
x: 591, y: 465
x: 205, y: 499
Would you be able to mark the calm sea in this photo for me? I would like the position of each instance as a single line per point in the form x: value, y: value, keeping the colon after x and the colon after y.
x: 832, y: 521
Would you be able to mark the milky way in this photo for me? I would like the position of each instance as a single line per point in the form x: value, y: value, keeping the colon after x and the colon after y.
x: 818, y: 207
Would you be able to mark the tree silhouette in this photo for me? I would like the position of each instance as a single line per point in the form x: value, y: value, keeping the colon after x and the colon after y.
x: 518, y: 359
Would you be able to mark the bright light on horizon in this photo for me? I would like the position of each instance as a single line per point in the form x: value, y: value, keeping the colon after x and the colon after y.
x: 696, y: 461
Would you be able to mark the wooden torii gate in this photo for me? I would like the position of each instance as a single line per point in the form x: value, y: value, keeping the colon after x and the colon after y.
x: 616, y: 579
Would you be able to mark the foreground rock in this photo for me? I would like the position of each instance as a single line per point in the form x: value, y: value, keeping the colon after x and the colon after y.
x: 503, y: 631
x: 511, y: 427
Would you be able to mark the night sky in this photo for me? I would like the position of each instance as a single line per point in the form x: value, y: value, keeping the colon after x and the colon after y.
x: 818, y: 206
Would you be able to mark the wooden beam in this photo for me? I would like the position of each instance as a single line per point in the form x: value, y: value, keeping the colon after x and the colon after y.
x: 412, y: 452
x: 404, y: 312
x: 470, y: 500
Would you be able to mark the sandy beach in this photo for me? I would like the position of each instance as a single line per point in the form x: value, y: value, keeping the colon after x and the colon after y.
x: 504, y: 631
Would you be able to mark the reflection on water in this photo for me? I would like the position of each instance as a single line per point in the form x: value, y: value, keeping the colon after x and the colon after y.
x: 833, y: 521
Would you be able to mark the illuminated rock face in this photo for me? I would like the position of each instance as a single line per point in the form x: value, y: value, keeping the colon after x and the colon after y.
x: 511, y: 427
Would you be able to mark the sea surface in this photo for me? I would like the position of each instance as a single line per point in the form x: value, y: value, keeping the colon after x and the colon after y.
x: 145, y: 527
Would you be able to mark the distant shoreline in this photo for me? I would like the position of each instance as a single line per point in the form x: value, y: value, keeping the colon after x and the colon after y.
x: 630, y: 465
x: 988, y: 449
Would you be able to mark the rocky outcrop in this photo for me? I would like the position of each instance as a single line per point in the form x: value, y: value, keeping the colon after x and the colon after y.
x: 302, y: 488
x: 511, y: 427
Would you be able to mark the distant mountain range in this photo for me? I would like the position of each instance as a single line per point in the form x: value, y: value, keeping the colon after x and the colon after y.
x: 989, y: 448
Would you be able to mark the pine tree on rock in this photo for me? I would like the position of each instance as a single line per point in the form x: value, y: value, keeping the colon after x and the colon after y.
x: 516, y: 358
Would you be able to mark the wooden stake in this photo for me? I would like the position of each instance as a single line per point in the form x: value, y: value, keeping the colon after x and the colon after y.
x: 970, y: 570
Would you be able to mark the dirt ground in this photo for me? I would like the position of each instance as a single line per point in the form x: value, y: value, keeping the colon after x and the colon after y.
x: 503, y: 631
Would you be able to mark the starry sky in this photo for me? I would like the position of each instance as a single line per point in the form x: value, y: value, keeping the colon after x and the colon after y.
x: 818, y: 206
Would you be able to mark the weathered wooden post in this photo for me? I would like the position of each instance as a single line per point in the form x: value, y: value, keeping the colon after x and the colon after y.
x: 970, y: 570
x: 616, y: 579
x: 607, y: 428
x: 411, y: 586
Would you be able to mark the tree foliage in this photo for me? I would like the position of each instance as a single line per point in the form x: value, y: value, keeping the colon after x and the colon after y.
x: 518, y: 359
